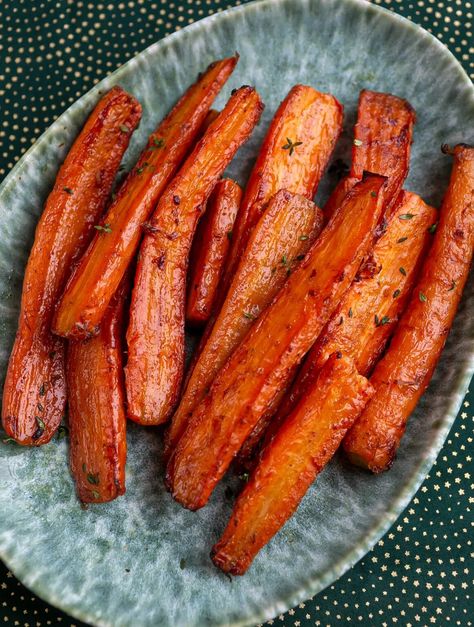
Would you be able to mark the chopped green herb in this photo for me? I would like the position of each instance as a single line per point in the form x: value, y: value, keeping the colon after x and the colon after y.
x: 291, y: 145
x: 124, y: 128
x: 384, y: 320
x: 40, y: 407
x: 62, y: 432
x: 453, y: 285
x: 422, y: 297
x: 248, y: 315
x: 93, y: 479
x: 403, y: 271
x: 433, y: 228
x: 42, y: 390
x: 9, y: 441
x: 157, y: 143
x: 300, y: 257
x: 407, y: 216
x: 341, y: 320
x: 103, y: 229
x: 350, y: 313
x: 229, y: 235
x: 376, y: 320
x: 95, y: 494
x: 244, y: 477
x: 357, y: 142
x: 182, y: 563
x: 303, y: 238
x: 373, y: 194
x: 396, y: 293
x: 402, y: 239
x: 84, y: 468
x: 68, y: 190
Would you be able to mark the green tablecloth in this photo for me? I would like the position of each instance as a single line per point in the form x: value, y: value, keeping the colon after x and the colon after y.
x: 420, y: 573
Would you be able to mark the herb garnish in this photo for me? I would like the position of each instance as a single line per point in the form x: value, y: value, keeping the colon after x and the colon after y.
x: 407, y: 216
x: 373, y: 194
x: 40, y: 423
x: 396, y: 293
x: 95, y: 494
x: 433, y: 228
x: 68, y: 190
x: 42, y: 390
x: 303, y: 238
x: 229, y: 235
x: 62, y: 432
x: 291, y: 145
x: 402, y: 239
x: 157, y: 143
x: 244, y: 476
x: 349, y: 313
x: 103, y: 229
x: 182, y: 563
x: 357, y: 142
x: 422, y: 297
x: 248, y: 315
x: 93, y: 479
x: 124, y: 128
x: 341, y: 320
x: 453, y: 285
x: 403, y: 271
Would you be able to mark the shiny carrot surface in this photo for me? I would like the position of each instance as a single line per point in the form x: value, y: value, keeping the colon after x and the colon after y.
x: 304, y: 444
x: 403, y: 374
x: 96, y: 401
x: 382, y: 144
x: 369, y: 312
x: 293, y: 156
x: 101, y: 269
x: 251, y: 378
x: 283, y: 235
x: 210, y: 247
x: 34, y: 395
x: 155, y: 334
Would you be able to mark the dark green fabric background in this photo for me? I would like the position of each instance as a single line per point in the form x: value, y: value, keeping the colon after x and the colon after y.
x: 421, y: 572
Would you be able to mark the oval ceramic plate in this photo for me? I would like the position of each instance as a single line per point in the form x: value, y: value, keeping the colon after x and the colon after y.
x: 143, y: 560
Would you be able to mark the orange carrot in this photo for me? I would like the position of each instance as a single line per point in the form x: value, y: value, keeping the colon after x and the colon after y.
x: 98, y: 445
x: 210, y: 248
x: 290, y: 463
x: 155, y: 334
x: 256, y: 371
x: 403, y: 374
x: 382, y: 143
x: 101, y: 269
x: 34, y: 395
x: 283, y: 235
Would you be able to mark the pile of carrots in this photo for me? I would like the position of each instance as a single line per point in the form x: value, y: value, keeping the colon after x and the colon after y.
x: 321, y: 328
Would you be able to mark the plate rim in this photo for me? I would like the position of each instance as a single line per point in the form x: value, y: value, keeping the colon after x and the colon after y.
x: 316, y: 584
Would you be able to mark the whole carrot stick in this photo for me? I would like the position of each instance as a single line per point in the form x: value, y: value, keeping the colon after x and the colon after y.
x: 101, y: 269
x: 403, y: 374
x: 290, y: 463
x: 254, y: 374
x: 34, y: 395
x: 96, y: 393
x: 210, y: 248
x: 155, y: 334
x: 288, y: 227
x: 293, y: 156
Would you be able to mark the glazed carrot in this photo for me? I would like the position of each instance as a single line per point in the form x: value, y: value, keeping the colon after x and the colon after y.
x: 293, y: 156
x: 101, y: 269
x: 369, y: 312
x: 94, y: 375
x: 34, y: 395
x: 290, y: 463
x: 155, y: 334
x: 382, y: 143
x: 210, y: 248
x: 246, y: 385
x: 403, y: 374
x: 284, y: 233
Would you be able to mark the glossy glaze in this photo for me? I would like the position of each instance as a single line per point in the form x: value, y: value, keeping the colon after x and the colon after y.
x: 96, y: 404
x: 403, y: 374
x: 103, y: 266
x: 306, y: 116
x: 271, y: 253
x: 382, y: 144
x: 155, y: 335
x: 34, y: 396
x: 259, y: 367
x: 210, y: 248
x: 290, y: 463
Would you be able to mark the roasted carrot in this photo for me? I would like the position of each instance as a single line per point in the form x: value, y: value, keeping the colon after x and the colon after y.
x: 382, y: 143
x: 304, y: 444
x: 283, y: 235
x: 96, y: 393
x: 403, y: 374
x: 210, y: 248
x: 251, y: 378
x: 34, y: 396
x: 293, y: 156
x: 369, y: 312
x: 102, y: 267
x: 155, y: 334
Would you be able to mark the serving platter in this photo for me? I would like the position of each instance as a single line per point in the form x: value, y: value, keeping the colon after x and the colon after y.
x: 143, y: 560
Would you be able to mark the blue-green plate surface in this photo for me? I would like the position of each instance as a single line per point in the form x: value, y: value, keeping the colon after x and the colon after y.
x: 121, y: 564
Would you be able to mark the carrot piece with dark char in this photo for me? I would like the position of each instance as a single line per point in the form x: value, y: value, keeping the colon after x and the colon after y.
x: 155, y: 334
x: 290, y: 463
x: 34, y: 396
x: 96, y: 402
x: 210, y: 248
x: 253, y: 375
x: 105, y: 262
x: 403, y: 374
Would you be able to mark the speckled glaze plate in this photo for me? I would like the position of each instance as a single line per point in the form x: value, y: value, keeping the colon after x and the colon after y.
x: 143, y: 560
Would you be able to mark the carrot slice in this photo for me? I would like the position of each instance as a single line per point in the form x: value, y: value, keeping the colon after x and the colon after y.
x: 155, y: 334
x: 403, y: 374
x: 293, y: 156
x: 98, y: 445
x: 102, y: 267
x: 210, y: 248
x: 382, y: 144
x: 253, y: 375
x: 299, y: 451
x: 283, y: 235
x: 34, y: 395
